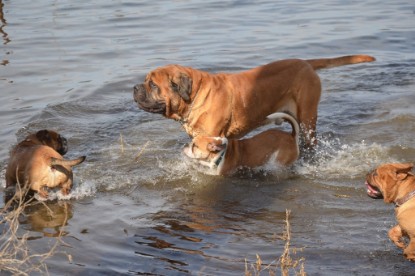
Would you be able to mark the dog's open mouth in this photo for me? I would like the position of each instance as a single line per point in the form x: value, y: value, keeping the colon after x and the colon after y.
x: 373, y: 191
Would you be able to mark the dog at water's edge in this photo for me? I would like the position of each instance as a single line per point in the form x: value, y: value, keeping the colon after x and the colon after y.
x: 395, y: 183
x: 231, y: 105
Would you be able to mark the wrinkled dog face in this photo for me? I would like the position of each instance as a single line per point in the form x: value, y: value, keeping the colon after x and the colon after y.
x: 164, y: 90
x: 383, y: 181
x: 205, y: 150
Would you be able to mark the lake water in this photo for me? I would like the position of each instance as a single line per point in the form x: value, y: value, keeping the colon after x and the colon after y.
x: 137, y: 206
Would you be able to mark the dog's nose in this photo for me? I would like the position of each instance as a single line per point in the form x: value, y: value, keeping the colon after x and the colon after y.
x: 64, y: 146
x: 135, y: 93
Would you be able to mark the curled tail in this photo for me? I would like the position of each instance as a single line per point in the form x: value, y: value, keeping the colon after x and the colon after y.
x: 339, y: 61
x: 64, y: 162
x: 278, y: 116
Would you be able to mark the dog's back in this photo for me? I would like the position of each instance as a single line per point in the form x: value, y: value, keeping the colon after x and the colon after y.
x: 27, y: 161
x: 270, y: 144
x: 37, y: 162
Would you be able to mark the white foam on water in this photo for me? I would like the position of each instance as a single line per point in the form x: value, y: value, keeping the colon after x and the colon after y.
x: 181, y: 167
x: 333, y: 159
x: 2, y: 178
x: 83, y: 190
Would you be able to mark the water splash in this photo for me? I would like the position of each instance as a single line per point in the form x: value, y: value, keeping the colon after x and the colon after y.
x: 116, y: 170
x: 332, y: 159
x: 83, y: 190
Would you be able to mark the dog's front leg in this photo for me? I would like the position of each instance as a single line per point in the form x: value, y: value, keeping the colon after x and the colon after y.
x: 395, y: 234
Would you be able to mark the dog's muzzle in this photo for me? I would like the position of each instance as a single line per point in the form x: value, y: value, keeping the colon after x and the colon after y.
x: 372, y: 190
x: 63, y: 149
x: 139, y: 93
x: 146, y: 102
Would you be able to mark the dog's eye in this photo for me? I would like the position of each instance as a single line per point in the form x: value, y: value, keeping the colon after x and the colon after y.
x: 152, y: 85
x: 175, y: 86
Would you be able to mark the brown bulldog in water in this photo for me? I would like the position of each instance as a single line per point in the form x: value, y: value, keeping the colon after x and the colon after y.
x: 225, y: 156
x: 231, y: 105
x: 37, y: 162
x: 395, y: 183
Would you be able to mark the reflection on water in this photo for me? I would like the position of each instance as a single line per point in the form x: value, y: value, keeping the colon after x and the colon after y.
x: 48, y: 218
x: 3, y: 33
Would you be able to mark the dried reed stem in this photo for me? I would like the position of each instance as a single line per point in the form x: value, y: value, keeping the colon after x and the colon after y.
x: 122, y: 143
x: 16, y: 257
x: 285, y: 263
x: 141, y: 151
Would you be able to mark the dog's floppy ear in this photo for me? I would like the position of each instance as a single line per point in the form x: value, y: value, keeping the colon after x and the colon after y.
x: 403, y: 169
x: 183, y: 87
x: 43, y: 135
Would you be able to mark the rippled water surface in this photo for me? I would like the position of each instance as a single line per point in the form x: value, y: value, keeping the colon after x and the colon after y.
x: 137, y: 206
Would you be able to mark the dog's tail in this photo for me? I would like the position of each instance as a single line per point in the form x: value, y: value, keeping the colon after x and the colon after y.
x: 339, y: 61
x: 65, y: 162
x: 286, y: 116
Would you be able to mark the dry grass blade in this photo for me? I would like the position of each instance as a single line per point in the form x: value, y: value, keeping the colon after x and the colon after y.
x: 122, y: 143
x: 141, y: 151
x: 285, y: 263
x: 16, y: 257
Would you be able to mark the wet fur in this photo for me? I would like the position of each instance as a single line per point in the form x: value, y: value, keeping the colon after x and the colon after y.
x: 37, y: 163
x: 273, y: 145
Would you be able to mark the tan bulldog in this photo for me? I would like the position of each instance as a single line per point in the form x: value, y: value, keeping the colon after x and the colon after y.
x: 224, y: 156
x: 37, y: 162
x: 395, y: 183
x: 231, y: 105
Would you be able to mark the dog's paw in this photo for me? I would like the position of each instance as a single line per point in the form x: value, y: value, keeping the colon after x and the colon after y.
x: 39, y: 197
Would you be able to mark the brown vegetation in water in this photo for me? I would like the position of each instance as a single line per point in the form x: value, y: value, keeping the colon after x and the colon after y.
x: 285, y: 263
x: 16, y: 257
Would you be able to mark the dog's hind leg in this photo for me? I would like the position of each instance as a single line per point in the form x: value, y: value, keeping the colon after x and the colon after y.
x: 43, y: 191
x: 66, y: 187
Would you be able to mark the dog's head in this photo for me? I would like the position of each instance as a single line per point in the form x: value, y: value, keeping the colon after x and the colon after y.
x: 207, y: 151
x: 166, y: 91
x: 51, y: 139
x: 383, y: 182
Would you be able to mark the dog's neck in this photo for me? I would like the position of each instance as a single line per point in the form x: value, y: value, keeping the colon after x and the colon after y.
x: 184, y: 120
x: 216, y: 164
x: 405, y: 198
x: 402, y: 200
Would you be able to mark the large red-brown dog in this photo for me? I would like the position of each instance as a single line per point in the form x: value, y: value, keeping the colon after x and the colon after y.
x: 231, y: 105
x: 395, y: 183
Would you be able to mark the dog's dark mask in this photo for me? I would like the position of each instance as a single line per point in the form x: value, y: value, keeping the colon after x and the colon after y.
x: 59, y: 143
x: 146, y: 102
x: 163, y: 91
